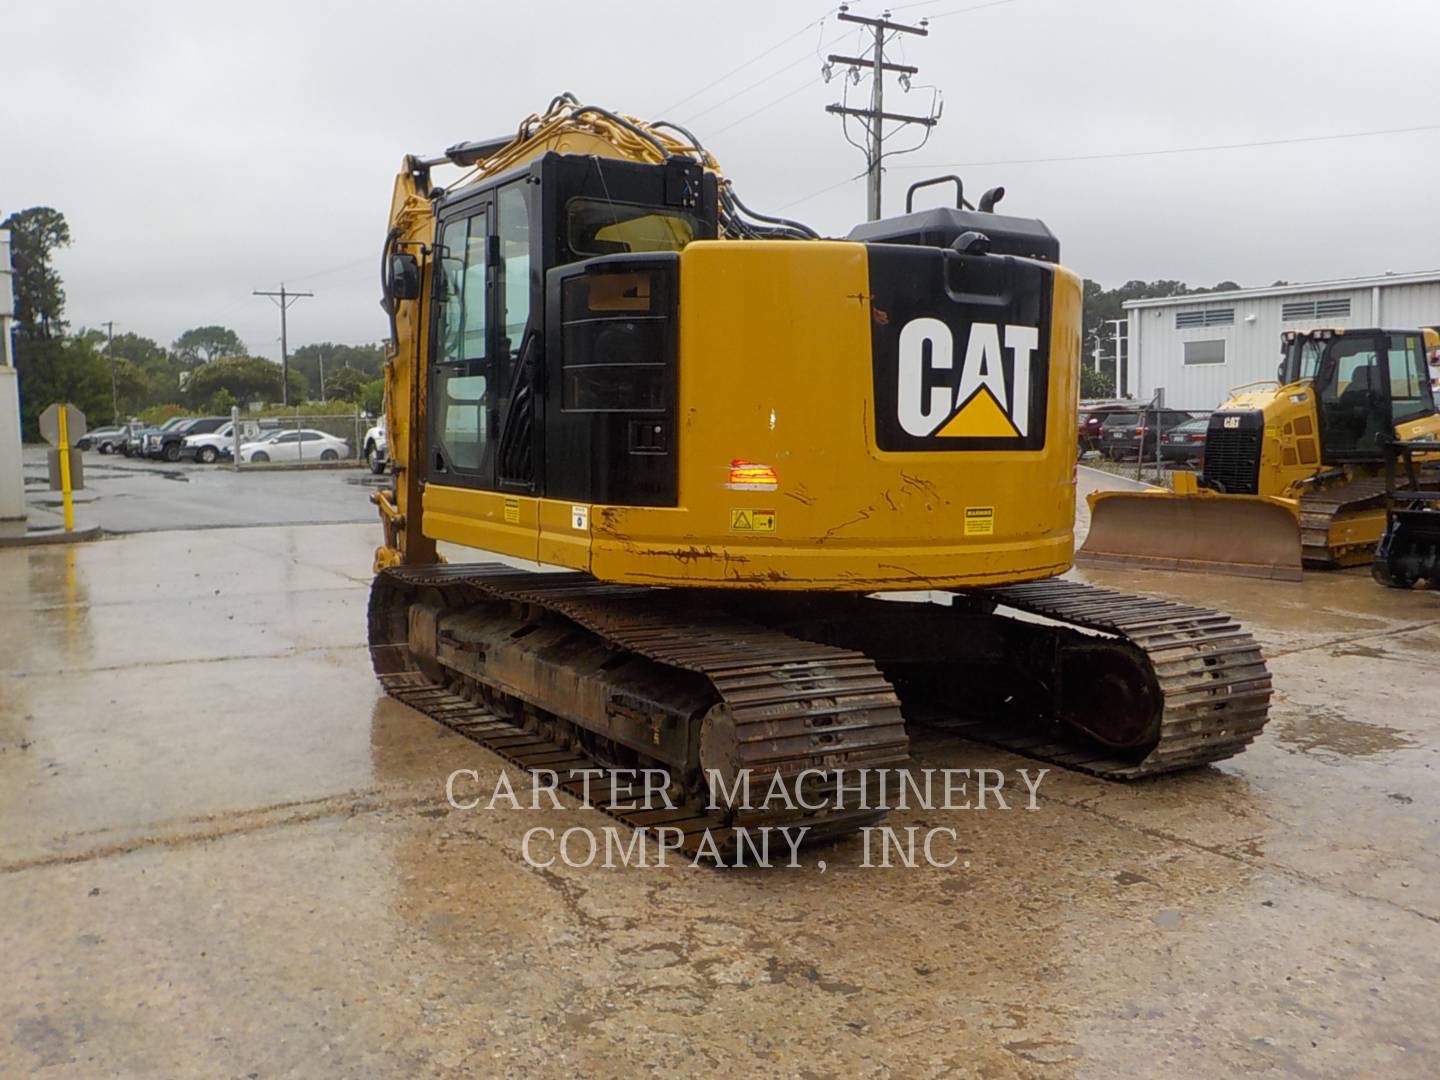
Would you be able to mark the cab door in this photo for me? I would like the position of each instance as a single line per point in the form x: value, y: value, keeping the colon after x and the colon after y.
x: 1412, y: 401
x: 1352, y: 392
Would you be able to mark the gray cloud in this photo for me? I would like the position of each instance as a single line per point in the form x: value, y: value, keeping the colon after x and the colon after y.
x: 203, y: 151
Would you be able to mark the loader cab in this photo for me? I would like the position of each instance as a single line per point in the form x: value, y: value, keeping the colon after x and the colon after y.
x: 1365, y: 383
x: 553, y: 328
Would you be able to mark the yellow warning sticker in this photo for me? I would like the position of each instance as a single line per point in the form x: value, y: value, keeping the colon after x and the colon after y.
x: 979, y: 521
x: 512, y: 511
x: 752, y: 520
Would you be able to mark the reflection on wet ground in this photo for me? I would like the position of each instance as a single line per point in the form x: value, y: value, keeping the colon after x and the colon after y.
x: 1326, y: 731
x: 226, y: 853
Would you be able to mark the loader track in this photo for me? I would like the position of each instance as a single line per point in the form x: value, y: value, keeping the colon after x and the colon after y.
x: 796, y: 705
x: 1214, y: 683
x: 1320, y: 509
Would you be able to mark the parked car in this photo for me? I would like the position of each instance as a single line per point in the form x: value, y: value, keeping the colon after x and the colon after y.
x: 1186, y: 443
x: 133, y: 441
x: 169, y: 444
x: 142, y: 438
x: 376, y: 448
x: 1092, y: 418
x: 207, y: 447
x: 302, y: 445
x: 1129, y: 433
x: 105, y: 439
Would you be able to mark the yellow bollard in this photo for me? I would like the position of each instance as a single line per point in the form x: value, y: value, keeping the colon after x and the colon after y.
x: 65, y: 471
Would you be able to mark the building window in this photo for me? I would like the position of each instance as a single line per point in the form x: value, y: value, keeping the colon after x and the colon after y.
x: 1190, y: 320
x: 1303, y: 310
x: 1205, y: 352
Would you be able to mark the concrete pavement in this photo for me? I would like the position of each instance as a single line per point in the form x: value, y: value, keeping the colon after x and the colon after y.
x: 226, y: 854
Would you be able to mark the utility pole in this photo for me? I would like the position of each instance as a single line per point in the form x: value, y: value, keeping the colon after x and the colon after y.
x: 114, y: 382
x: 283, y: 300
x: 1121, y: 364
x: 875, y: 116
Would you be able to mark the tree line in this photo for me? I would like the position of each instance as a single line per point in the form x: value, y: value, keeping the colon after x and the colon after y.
x: 207, y: 368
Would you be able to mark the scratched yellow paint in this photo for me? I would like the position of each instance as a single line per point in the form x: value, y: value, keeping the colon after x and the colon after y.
x: 775, y: 367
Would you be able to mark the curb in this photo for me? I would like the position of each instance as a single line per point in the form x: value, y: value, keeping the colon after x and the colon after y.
x: 297, y: 466
x: 52, y: 536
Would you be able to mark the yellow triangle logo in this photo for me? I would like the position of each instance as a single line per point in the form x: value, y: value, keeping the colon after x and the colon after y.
x: 980, y: 418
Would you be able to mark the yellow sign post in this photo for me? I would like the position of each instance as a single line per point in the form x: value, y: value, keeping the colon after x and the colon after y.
x: 58, y: 425
x: 65, y: 471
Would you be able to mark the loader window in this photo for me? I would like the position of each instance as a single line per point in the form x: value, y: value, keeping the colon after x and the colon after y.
x: 598, y: 227
x: 1352, y: 402
x: 1409, y: 379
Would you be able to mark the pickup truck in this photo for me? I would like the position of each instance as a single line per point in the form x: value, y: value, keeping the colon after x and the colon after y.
x: 375, y: 448
x: 138, y: 439
x: 167, y: 441
x: 220, y: 443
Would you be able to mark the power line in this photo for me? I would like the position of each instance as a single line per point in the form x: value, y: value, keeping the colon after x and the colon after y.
x: 754, y: 59
x: 964, y: 10
x: 1177, y: 149
x: 814, y: 80
x: 822, y: 191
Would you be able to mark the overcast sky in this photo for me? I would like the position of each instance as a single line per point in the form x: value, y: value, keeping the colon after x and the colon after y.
x: 200, y: 151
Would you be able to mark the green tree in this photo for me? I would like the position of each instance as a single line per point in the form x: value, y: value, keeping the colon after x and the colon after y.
x: 221, y: 402
x: 372, y: 397
x: 366, y: 359
x: 62, y: 370
x: 1095, y: 384
x: 344, y: 385
x: 202, y: 344
x: 35, y: 235
x: 245, y: 378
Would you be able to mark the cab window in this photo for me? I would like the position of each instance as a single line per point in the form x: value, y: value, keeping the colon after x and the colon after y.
x: 1409, y: 379
x: 459, y: 377
x: 599, y: 227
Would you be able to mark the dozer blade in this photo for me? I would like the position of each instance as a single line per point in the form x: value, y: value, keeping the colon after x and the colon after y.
x: 1160, y: 530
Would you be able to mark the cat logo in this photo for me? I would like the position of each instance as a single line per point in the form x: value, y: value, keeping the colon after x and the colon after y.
x: 934, y: 400
x: 1232, y: 422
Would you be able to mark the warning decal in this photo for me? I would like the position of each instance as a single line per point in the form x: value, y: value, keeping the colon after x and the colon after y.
x: 979, y: 521
x: 512, y: 511
x: 752, y: 520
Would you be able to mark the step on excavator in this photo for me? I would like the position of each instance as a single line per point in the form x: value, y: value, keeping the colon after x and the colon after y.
x: 1294, y: 471
x: 722, y: 436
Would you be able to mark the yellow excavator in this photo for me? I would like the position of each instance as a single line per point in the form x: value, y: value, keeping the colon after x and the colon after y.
x: 1294, y: 471
x: 723, y: 435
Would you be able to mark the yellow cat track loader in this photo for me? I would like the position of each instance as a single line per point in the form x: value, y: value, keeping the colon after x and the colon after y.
x: 1294, y: 473
x: 724, y: 435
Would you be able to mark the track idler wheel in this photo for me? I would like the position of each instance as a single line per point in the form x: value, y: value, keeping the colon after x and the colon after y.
x: 1107, y: 692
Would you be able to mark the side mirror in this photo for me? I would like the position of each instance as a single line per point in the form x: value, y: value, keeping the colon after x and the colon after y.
x: 404, y: 277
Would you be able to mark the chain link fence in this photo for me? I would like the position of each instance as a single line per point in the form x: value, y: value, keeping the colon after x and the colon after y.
x: 300, y: 439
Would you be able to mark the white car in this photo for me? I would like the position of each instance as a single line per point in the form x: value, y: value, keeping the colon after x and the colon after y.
x: 376, y: 447
x: 302, y: 445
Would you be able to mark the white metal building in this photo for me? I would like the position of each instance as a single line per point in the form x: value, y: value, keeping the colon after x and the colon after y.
x: 1198, y: 347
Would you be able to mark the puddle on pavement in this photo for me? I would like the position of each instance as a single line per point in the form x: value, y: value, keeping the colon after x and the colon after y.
x: 1324, y: 731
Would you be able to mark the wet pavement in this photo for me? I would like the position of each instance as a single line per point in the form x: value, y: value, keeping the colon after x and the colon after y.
x: 124, y: 495
x: 225, y: 854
